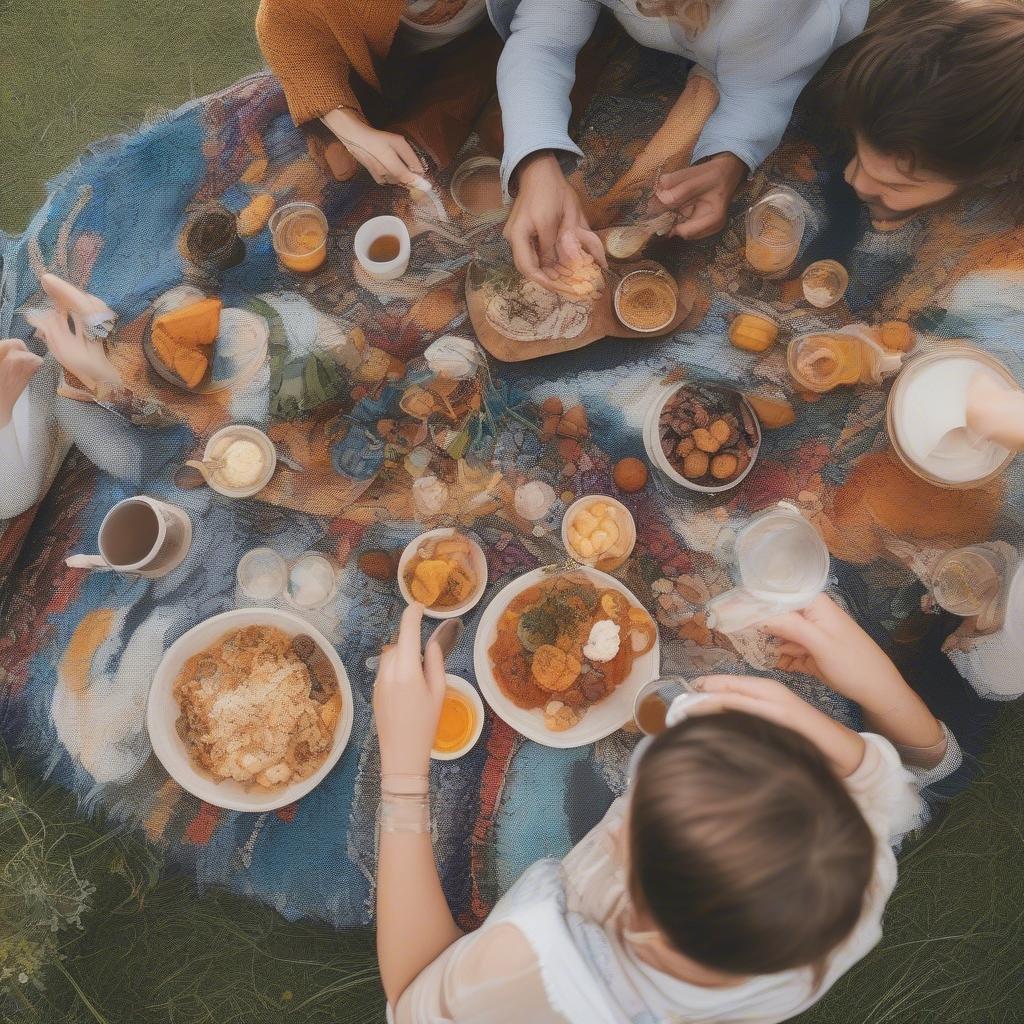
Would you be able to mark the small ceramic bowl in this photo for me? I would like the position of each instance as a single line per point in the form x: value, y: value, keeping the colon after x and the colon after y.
x: 604, y: 563
x: 479, y: 567
x: 628, y: 281
x: 240, y: 432
x: 377, y: 228
x: 467, y: 690
x: 652, y: 442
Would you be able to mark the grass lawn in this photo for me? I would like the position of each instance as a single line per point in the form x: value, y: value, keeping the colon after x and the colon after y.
x: 154, y: 950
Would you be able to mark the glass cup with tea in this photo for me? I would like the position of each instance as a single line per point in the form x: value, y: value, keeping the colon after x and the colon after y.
x: 775, y: 229
x: 382, y: 247
x: 651, y: 704
x: 141, y: 537
x: 299, y: 235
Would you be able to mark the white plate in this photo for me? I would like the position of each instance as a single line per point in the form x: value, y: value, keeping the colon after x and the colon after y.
x: 600, y: 720
x: 163, y: 710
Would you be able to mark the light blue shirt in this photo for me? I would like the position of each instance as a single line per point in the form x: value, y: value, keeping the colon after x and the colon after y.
x: 760, y: 53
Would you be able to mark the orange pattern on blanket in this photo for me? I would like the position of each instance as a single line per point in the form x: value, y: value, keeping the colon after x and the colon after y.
x: 85, y: 642
x: 882, y: 498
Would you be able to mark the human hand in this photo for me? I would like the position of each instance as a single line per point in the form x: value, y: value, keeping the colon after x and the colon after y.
x: 79, y: 354
x: 17, y: 364
x: 823, y: 641
x: 407, y: 698
x: 547, y: 222
x: 774, y: 702
x: 388, y: 157
x: 996, y: 411
x: 702, y: 193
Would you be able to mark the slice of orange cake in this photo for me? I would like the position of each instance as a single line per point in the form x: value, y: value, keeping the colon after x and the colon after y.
x: 192, y: 326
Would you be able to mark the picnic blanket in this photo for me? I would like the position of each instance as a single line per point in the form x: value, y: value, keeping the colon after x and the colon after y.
x: 78, y: 651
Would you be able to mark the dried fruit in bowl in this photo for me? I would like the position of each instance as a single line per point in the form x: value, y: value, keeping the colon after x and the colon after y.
x: 429, y: 580
x: 555, y: 669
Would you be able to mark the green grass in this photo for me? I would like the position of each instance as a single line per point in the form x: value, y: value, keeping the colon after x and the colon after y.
x: 153, y: 950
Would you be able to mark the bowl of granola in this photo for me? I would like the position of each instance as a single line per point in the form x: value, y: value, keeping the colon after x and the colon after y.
x: 250, y: 709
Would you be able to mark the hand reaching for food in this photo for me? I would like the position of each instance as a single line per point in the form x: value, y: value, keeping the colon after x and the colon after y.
x: 577, y: 275
x: 774, y: 702
x: 702, y: 194
x: 407, y: 698
x: 547, y: 224
x: 17, y: 365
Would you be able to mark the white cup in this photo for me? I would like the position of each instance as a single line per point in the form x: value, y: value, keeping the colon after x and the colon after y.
x: 140, y: 536
x: 380, y: 227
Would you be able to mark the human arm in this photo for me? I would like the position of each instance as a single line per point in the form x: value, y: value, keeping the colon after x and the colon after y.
x: 414, y: 924
x: 765, y: 55
x: 823, y: 640
x: 315, y: 73
x: 771, y: 700
x: 17, y: 367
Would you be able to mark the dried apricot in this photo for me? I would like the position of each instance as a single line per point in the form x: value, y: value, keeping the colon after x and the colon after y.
x: 723, y: 467
x: 706, y: 441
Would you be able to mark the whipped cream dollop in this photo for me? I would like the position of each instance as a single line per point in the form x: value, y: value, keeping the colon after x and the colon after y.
x: 603, y: 642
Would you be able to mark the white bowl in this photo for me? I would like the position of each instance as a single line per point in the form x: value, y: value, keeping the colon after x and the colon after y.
x: 379, y: 227
x: 162, y: 713
x: 479, y: 567
x: 582, y: 503
x: 650, y: 272
x: 241, y: 431
x: 599, y: 721
x: 652, y: 441
x: 468, y: 691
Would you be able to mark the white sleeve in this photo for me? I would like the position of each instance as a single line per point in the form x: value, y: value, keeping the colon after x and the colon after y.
x: 536, y: 73
x: 766, y: 56
x: 887, y: 793
x: 478, y: 980
x: 31, y: 445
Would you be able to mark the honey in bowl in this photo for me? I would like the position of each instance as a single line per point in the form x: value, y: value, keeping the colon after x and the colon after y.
x: 646, y: 301
x: 457, y: 723
x: 384, y: 249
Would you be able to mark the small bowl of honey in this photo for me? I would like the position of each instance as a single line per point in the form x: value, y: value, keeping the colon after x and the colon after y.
x: 382, y: 247
x: 461, y: 720
x: 299, y: 235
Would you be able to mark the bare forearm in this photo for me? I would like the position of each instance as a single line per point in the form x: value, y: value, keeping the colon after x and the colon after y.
x: 414, y: 924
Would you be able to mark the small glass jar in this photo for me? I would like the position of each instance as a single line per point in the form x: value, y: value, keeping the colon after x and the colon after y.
x: 299, y: 235
x: 262, y: 575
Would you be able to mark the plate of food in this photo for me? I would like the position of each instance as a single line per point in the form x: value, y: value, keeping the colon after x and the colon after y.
x: 195, y: 344
x: 250, y: 709
x: 561, y: 655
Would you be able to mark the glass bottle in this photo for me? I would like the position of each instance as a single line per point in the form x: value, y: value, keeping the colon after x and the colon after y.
x: 829, y: 359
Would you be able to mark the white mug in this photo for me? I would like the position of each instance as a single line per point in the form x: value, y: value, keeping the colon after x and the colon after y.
x: 140, y: 536
x: 370, y: 232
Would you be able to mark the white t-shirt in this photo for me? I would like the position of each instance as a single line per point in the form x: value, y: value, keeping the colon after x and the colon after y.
x: 553, y: 952
x: 428, y: 24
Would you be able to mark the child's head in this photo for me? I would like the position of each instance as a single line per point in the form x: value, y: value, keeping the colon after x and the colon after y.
x: 933, y: 94
x: 745, y: 848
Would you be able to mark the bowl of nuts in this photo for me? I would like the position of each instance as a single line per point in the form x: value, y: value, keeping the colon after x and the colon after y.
x: 705, y: 437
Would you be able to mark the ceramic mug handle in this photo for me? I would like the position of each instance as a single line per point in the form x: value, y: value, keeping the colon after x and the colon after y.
x: 91, y: 562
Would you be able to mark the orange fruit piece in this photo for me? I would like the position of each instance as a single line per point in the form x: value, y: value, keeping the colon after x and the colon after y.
x: 191, y: 366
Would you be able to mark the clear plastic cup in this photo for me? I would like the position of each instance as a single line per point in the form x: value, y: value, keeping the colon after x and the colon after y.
x: 262, y: 575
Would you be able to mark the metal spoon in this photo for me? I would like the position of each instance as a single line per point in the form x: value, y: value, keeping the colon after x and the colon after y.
x: 448, y: 635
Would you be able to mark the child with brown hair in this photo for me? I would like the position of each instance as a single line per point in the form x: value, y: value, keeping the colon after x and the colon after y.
x: 744, y: 871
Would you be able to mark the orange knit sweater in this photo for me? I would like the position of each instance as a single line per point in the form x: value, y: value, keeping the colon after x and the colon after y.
x: 314, y: 46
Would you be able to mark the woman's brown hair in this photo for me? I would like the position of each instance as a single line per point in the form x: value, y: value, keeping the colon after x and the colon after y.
x: 746, y: 848
x: 940, y: 83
